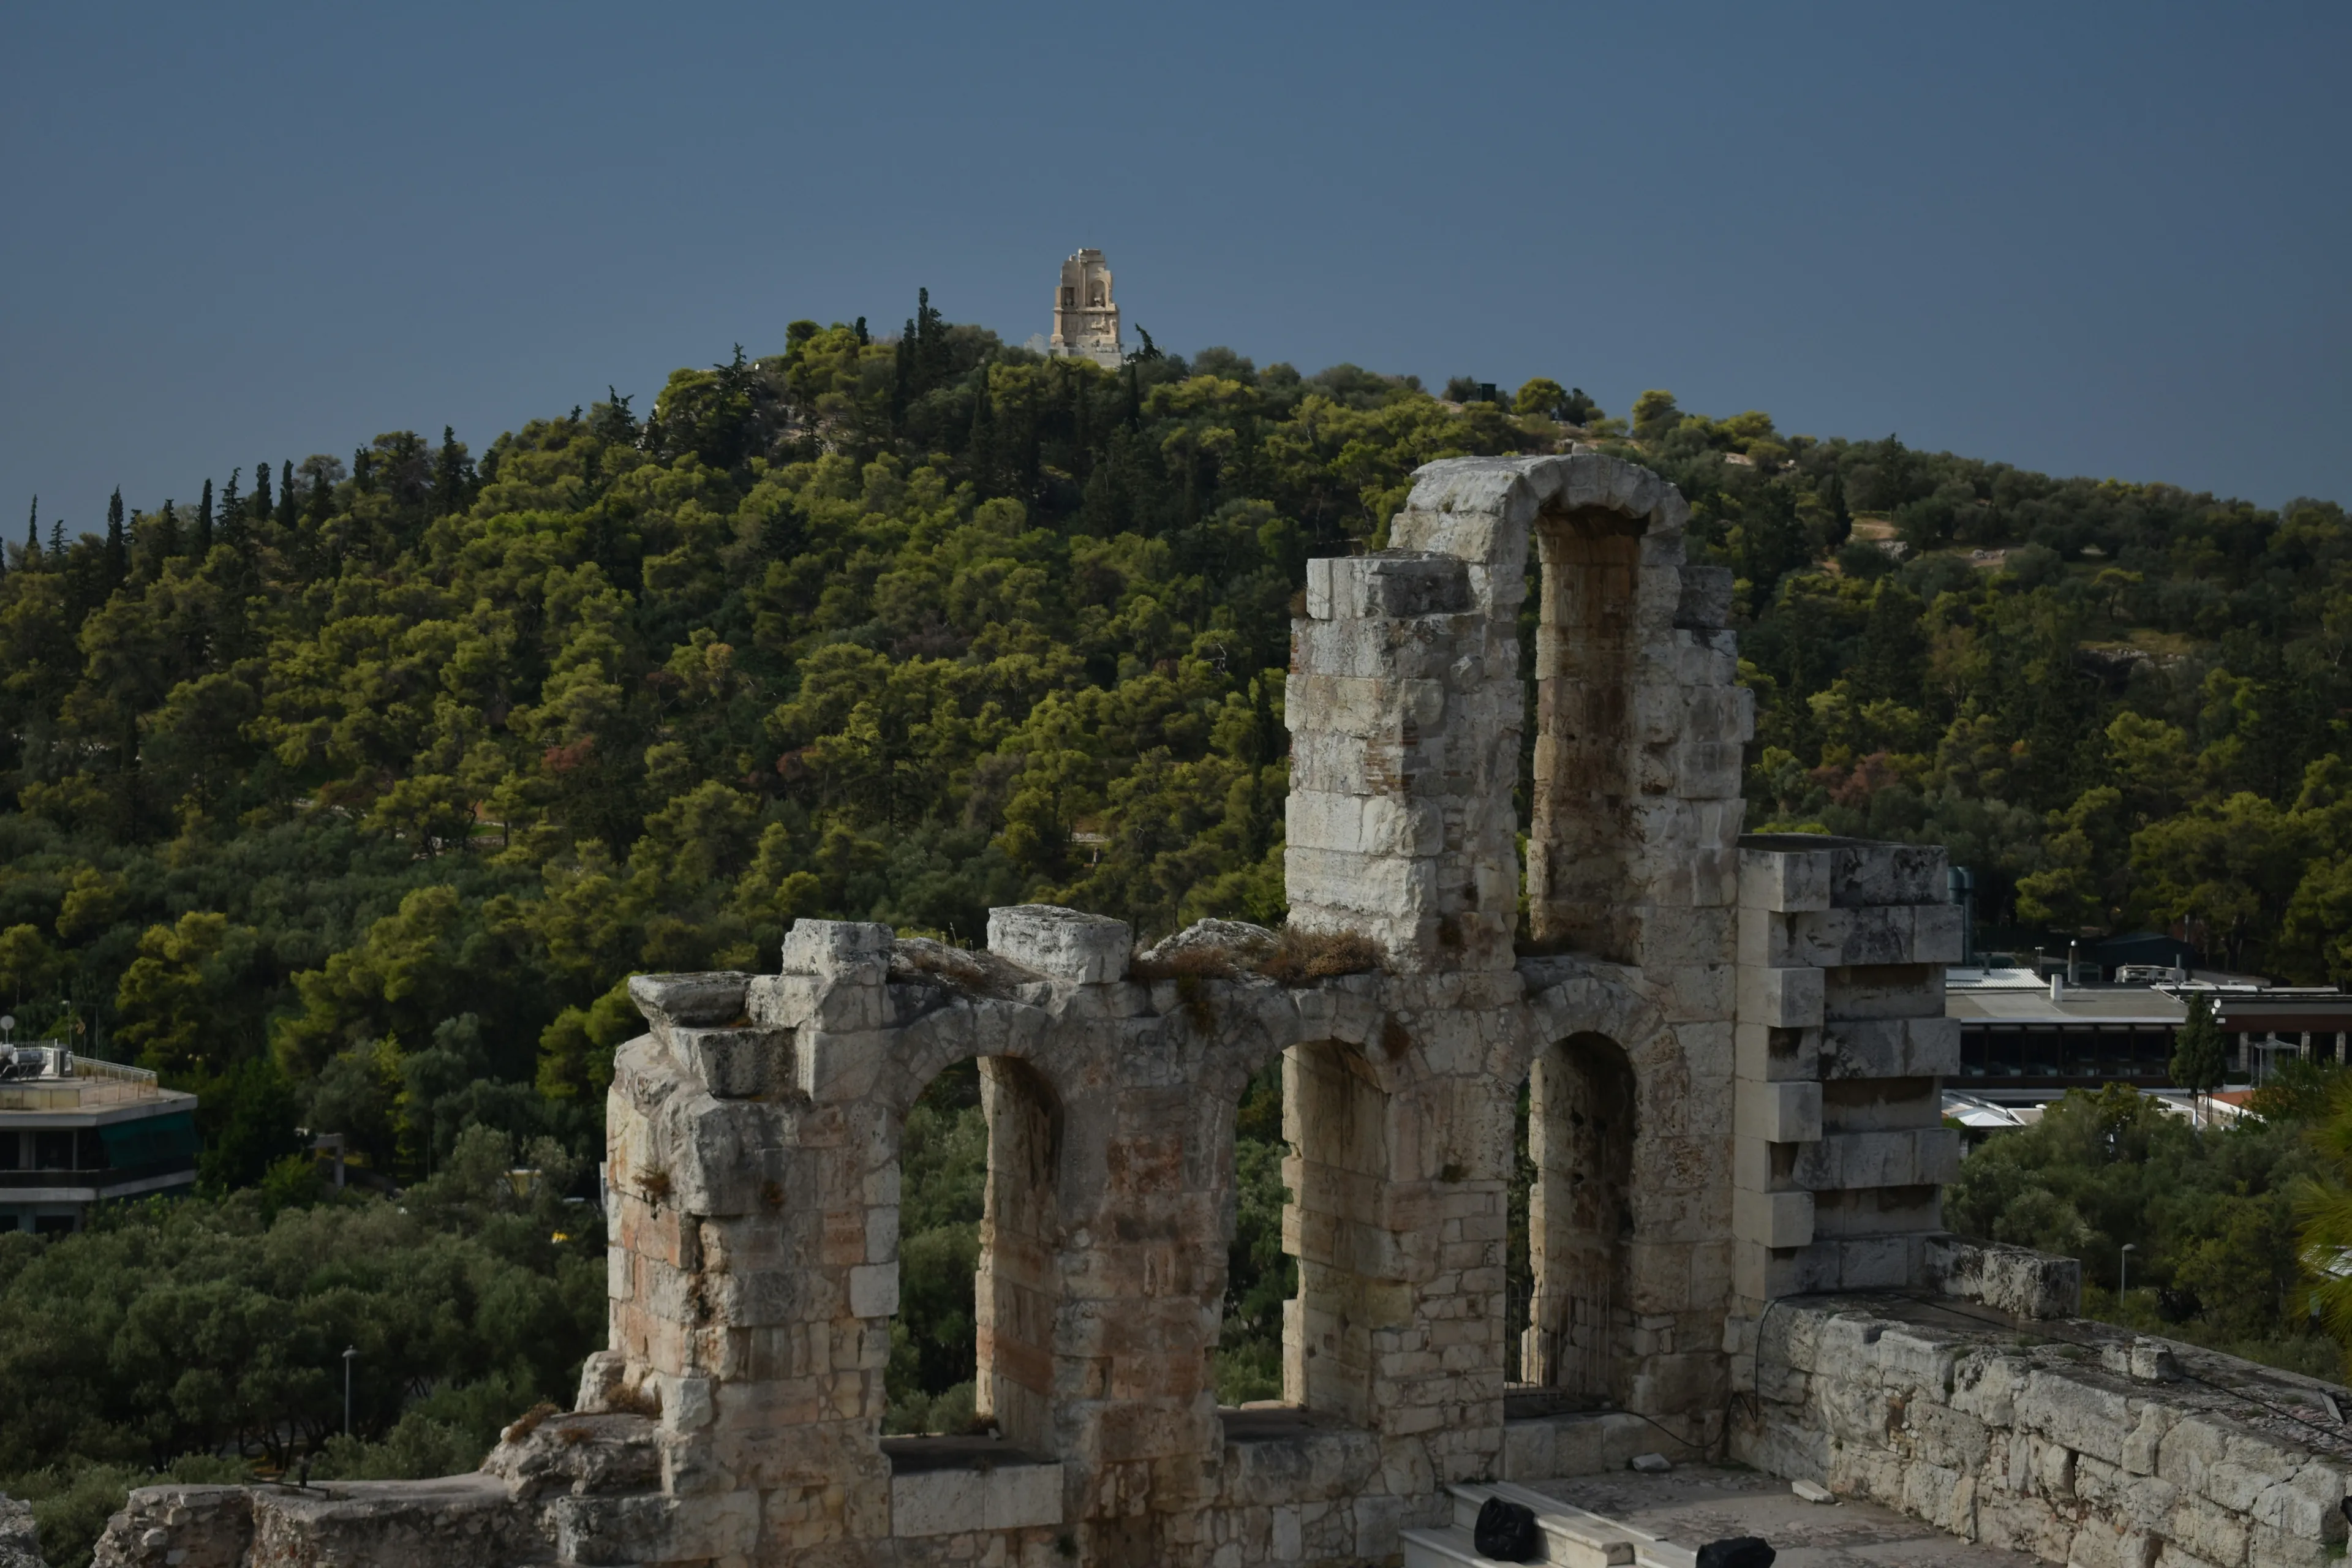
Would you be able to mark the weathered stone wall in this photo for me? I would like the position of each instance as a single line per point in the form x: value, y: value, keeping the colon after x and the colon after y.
x: 2070, y: 1439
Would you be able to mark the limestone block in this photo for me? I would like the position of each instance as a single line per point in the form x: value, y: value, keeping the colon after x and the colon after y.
x: 736, y: 1063
x: 843, y: 1005
x: 2077, y: 1414
x: 1766, y: 1054
x: 1364, y: 825
x: 1784, y: 1112
x: 1783, y: 880
x: 1390, y: 885
x: 1837, y: 936
x: 1085, y: 950
x: 695, y: 999
x: 1841, y: 1159
x: 1705, y: 602
x: 1865, y: 874
x: 1022, y: 1496
x: 1781, y: 998
x: 938, y: 1502
x: 1876, y: 1262
x: 1772, y: 1219
x: 1881, y: 1105
x: 1393, y: 584
x: 1891, y: 1047
x: 856, y: 952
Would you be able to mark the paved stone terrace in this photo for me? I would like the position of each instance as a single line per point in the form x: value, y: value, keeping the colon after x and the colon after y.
x: 1693, y: 1504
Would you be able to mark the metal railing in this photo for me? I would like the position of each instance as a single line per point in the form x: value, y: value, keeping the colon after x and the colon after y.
x: 94, y: 1082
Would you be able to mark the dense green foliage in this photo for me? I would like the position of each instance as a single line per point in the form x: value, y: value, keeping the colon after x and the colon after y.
x: 210, y: 1333
x: 351, y: 797
x: 2215, y: 1215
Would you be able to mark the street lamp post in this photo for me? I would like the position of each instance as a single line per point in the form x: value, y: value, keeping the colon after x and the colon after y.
x: 2123, y: 1270
x: 349, y: 1356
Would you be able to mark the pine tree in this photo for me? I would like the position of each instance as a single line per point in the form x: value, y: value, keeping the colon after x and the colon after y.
x: 204, y: 523
x: 118, y: 543
x: 57, y: 540
x: 287, y: 513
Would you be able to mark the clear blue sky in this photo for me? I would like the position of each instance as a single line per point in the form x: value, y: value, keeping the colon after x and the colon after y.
x: 2113, y: 240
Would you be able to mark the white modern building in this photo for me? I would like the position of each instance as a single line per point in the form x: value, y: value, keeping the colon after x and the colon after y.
x: 75, y: 1132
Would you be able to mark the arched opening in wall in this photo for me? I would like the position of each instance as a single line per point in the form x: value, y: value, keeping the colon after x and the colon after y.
x: 1581, y: 1129
x: 971, y: 1343
x: 1335, y: 1120
x: 1261, y: 1278
x: 1579, y: 787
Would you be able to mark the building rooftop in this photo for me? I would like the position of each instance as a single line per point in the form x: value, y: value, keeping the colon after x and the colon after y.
x: 48, y: 1077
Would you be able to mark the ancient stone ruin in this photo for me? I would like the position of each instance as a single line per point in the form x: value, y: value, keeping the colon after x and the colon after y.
x: 1730, y: 1047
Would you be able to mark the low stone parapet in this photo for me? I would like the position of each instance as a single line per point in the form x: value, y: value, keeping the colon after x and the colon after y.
x: 2077, y: 1441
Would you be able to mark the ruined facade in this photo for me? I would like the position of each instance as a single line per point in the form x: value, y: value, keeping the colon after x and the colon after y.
x: 1729, y: 1050
x: 1085, y: 317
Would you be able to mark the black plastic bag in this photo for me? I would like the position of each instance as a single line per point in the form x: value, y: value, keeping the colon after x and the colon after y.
x: 1506, y: 1532
x: 1737, y: 1551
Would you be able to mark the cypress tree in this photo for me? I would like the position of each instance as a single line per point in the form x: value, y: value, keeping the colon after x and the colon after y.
x: 902, y: 379
x: 931, y: 343
x: 260, y: 502
x: 118, y: 543
x: 204, y: 523
x: 287, y: 514
x: 862, y: 338
x: 2201, y: 1054
x: 449, y: 482
x: 981, y: 452
x: 232, y: 509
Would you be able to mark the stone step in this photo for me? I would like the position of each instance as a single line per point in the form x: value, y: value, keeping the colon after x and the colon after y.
x: 1573, y: 1537
x: 1448, y: 1548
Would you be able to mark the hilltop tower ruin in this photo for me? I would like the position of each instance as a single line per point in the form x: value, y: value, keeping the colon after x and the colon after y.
x: 1085, y: 318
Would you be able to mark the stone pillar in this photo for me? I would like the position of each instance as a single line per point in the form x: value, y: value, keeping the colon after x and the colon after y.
x: 1403, y: 705
x: 1839, y: 1144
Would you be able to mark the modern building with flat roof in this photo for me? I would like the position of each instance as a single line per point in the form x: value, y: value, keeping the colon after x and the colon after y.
x: 75, y: 1132
x: 2023, y: 1037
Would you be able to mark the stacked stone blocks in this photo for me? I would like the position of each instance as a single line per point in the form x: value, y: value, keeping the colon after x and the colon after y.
x: 1838, y: 1144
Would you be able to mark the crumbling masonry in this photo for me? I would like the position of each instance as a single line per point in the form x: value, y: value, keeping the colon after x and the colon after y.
x: 1730, y: 1050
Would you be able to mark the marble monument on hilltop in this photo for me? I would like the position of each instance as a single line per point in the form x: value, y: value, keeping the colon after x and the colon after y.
x: 1086, y: 322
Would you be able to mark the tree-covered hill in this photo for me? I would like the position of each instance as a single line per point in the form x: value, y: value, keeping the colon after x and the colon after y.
x: 349, y: 793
